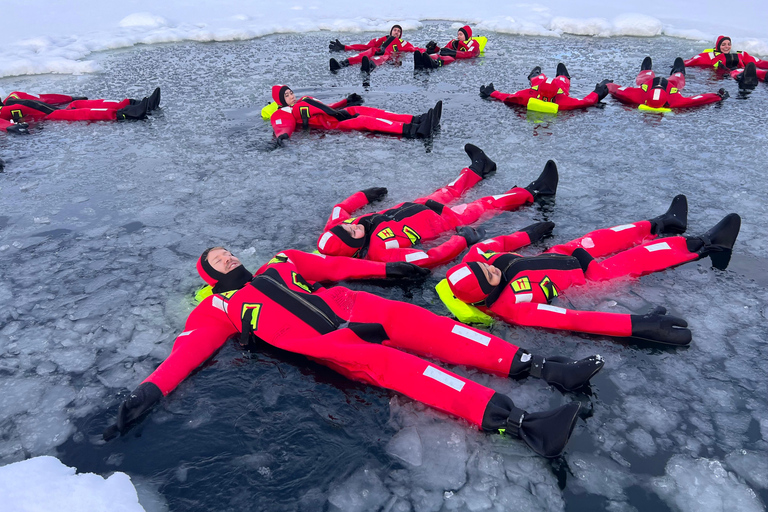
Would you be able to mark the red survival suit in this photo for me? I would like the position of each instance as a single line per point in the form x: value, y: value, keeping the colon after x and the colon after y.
x: 391, y: 234
x: 355, y: 333
x: 379, y: 50
x: 29, y: 107
x: 658, y: 92
x: 529, y: 284
x: 456, y: 49
x: 553, y: 90
x: 733, y: 62
x: 308, y: 112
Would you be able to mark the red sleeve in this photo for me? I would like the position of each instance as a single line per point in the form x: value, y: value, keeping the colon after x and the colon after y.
x: 679, y: 101
x: 405, y: 46
x: 4, y: 124
x: 206, y: 330
x: 500, y: 244
x: 373, y: 43
x: 339, y: 104
x: 345, y: 209
x: 283, y: 123
x: 568, y: 103
x: 321, y: 268
x: 531, y: 314
x: 702, y: 60
x: 518, y: 98
x: 633, y: 95
x: 472, y: 51
x: 443, y: 253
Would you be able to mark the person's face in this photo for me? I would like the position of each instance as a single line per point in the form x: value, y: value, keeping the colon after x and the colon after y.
x: 461, y: 37
x: 355, y: 230
x: 290, y: 98
x: 396, y: 33
x: 222, y: 260
x: 725, y: 46
x: 492, y: 274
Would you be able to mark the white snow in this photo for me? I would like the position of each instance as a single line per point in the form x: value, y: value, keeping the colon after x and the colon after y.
x: 62, y: 39
x: 43, y: 484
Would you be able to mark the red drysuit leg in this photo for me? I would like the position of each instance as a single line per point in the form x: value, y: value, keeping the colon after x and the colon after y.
x: 486, y: 207
x: 604, y: 242
x: 652, y: 256
x: 390, y: 368
x: 454, y: 190
x: 381, y: 114
x: 371, y: 124
x: 110, y: 104
x: 83, y: 114
x: 418, y: 330
x: 357, y: 59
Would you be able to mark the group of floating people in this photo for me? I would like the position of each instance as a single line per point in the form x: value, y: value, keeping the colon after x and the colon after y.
x: 287, y: 304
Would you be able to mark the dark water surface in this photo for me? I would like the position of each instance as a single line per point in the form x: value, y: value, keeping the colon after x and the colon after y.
x: 101, y: 224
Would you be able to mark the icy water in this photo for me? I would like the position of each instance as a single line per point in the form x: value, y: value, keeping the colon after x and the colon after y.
x: 101, y: 224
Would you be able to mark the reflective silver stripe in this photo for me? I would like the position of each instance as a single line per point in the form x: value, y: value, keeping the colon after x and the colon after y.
x: 622, y: 227
x: 416, y: 256
x: 336, y: 212
x: 466, y: 332
x: 384, y: 120
x: 186, y: 333
x: 324, y: 239
x: 656, y: 93
x: 279, y: 121
x: 661, y: 246
x: 100, y: 109
x: 696, y: 97
x: 553, y: 309
x: 218, y: 303
x: 443, y: 378
x: 622, y: 88
x: 523, y: 297
x: 502, y: 195
x: 391, y: 244
x: 459, y: 275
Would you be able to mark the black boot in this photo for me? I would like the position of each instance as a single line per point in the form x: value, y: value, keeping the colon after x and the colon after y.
x: 717, y: 243
x: 154, y: 100
x: 438, y: 114
x: 678, y: 66
x: 674, y: 221
x: 418, y: 62
x: 425, y: 126
x: 534, y: 73
x: 748, y: 79
x: 481, y: 164
x: 137, y: 111
x: 546, y: 183
x: 647, y: 64
x: 562, y: 71
x: 431, y: 63
x: 546, y: 432
x: 367, y: 65
x: 561, y: 372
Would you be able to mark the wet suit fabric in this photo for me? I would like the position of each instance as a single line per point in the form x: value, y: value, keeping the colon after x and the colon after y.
x: 553, y: 90
x: 311, y: 113
x: 464, y: 50
x: 393, y: 233
x: 374, y: 46
x: 716, y: 60
x: 29, y: 107
x: 355, y: 333
x: 646, y: 94
x: 529, y: 284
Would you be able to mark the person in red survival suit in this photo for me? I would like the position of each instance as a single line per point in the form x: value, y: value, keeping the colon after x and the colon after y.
x: 21, y: 106
x: 553, y: 90
x: 520, y: 289
x: 345, y: 115
x: 391, y: 235
x: 660, y: 92
x: 463, y: 47
x: 373, y: 53
x: 359, y: 335
x: 736, y: 64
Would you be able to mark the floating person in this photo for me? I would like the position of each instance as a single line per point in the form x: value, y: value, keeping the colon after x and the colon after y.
x: 721, y: 58
x: 548, y: 94
x: 463, y: 47
x: 361, y: 335
x: 519, y: 290
x: 373, y: 53
x: 390, y: 235
x: 24, y: 107
x: 659, y: 94
x: 292, y: 112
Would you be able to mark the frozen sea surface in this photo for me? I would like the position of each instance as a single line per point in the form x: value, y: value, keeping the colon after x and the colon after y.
x: 101, y: 224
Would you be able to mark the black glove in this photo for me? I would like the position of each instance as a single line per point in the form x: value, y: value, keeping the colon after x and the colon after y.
x: 140, y: 401
x: 471, y: 235
x: 401, y: 269
x: 375, y: 193
x: 659, y: 327
x: 539, y: 230
x: 282, y: 139
x: 486, y: 90
x: 336, y: 46
x: 723, y: 94
x: 354, y: 99
x: 432, y: 47
x: 601, y: 89
x: 380, y: 51
x: 20, y: 128
x: 447, y: 52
